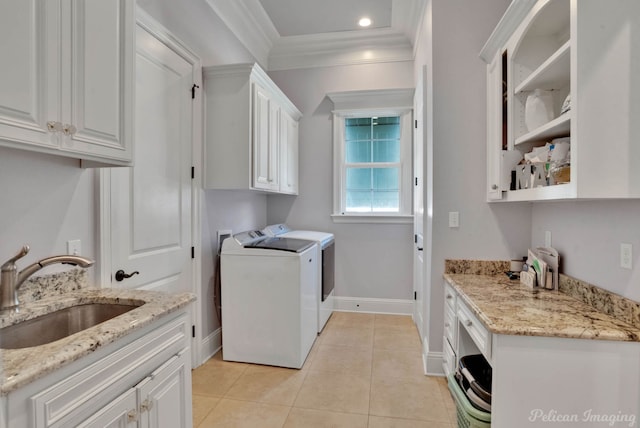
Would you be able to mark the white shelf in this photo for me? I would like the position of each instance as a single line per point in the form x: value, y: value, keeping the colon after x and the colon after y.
x: 558, y: 127
x: 552, y: 74
x: 546, y: 193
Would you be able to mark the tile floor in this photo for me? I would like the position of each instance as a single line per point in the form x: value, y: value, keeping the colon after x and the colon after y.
x: 364, y: 370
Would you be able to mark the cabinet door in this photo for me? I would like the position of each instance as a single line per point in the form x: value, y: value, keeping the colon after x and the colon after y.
x: 97, y: 105
x: 288, y: 154
x: 165, y: 396
x: 494, y: 127
x: 263, y: 133
x: 120, y: 413
x: 29, y: 89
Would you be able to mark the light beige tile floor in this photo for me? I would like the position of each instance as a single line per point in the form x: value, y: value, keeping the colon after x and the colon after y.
x: 364, y: 370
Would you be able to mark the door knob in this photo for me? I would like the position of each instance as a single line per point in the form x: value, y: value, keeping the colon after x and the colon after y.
x: 120, y: 275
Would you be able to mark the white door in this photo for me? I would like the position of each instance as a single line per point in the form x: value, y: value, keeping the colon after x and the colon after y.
x: 418, y: 207
x: 151, y: 202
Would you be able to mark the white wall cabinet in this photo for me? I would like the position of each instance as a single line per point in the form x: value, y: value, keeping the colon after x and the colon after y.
x: 69, y: 87
x: 251, y: 131
x: 582, y: 48
x: 142, y: 380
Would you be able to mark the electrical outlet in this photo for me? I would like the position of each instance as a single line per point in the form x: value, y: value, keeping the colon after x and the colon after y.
x: 74, y: 247
x: 547, y: 238
x: 454, y: 219
x: 626, y: 256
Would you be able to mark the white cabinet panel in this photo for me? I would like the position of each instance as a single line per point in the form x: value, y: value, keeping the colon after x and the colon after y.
x: 264, y: 139
x: 30, y: 72
x: 100, y: 77
x: 120, y: 413
x: 288, y: 154
x: 163, y: 399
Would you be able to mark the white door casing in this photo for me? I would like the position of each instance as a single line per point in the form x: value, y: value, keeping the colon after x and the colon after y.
x: 418, y: 207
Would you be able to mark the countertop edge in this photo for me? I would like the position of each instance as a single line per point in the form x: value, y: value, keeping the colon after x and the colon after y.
x: 24, y: 366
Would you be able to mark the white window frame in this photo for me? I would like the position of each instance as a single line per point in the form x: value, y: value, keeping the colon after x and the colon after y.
x: 389, y: 103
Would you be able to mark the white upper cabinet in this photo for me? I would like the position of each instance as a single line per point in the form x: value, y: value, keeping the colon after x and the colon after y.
x: 579, y: 50
x: 288, y: 154
x: 251, y: 131
x: 67, y: 84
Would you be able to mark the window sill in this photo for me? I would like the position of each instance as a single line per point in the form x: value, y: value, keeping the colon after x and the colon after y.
x: 386, y: 219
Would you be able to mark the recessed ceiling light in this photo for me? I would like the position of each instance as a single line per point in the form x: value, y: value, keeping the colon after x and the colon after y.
x: 364, y: 22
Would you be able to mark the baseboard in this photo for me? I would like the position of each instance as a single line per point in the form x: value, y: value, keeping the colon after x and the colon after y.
x: 211, y: 345
x: 371, y: 305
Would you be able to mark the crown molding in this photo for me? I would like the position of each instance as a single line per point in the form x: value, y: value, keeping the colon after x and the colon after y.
x: 332, y: 49
x: 251, y: 24
x: 511, y: 19
x: 378, y: 98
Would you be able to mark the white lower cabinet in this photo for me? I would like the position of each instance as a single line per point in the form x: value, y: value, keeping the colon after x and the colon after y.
x: 143, y: 380
x: 538, y: 381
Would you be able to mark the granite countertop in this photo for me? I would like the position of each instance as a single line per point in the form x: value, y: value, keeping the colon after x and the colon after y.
x: 507, y: 307
x: 22, y: 366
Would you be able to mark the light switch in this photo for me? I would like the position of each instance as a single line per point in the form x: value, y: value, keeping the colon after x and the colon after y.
x: 454, y: 219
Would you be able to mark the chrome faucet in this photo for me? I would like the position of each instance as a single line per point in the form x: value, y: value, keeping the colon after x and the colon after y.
x: 11, y: 279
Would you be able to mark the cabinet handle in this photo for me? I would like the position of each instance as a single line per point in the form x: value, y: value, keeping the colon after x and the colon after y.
x: 447, y: 324
x: 53, y: 126
x: 69, y: 129
x: 132, y: 415
x: 449, y: 296
x: 146, y: 406
x: 494, y: 187
x: 468, y: 323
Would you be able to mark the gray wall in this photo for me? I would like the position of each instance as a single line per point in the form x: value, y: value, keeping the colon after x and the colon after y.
x: 372, y: 260
x: 47, y: 201
x: 588, y: 235
x: 455, y: 134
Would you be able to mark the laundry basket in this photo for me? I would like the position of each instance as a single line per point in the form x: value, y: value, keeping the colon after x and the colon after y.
x: 467, y: 415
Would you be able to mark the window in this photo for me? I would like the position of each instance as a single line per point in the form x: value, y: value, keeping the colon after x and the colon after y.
x: 372, y: 165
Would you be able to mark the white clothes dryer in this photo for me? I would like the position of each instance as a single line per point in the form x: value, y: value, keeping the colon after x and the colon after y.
x: 326, y: 265
x: 268, y: 294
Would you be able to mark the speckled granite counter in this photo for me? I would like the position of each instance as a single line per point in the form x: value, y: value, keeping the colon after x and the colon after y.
x: 22, y: 366
x: 506, y: 307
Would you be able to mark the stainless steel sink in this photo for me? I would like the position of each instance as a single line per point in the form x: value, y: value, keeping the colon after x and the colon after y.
x: 60, y: 324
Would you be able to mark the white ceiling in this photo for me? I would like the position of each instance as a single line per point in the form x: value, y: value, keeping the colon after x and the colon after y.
x: 284, y: 34
x: 305, y: 17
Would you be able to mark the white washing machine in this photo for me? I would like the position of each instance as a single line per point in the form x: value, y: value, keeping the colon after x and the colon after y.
x: 326, y: 265
x: 268, y: 294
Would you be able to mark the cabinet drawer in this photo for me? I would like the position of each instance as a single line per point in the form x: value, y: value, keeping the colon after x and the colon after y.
x: 476, y: 330
x: 450, y: 296
x: 450, y: 324
x: 448, y: 358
